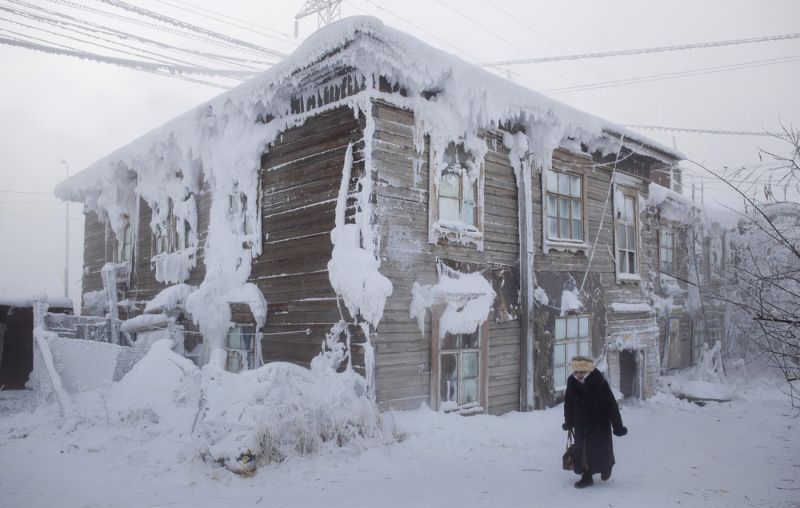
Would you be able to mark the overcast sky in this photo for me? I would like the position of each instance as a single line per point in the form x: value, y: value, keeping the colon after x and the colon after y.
x: 57, y: 108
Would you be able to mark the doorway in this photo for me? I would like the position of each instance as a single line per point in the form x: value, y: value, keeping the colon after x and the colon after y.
x: 628, y: 374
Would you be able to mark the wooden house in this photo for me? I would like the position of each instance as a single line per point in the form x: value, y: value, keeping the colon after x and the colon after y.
x: 452, y: 236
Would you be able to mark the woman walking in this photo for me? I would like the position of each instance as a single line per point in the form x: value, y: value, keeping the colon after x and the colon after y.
x: 591, y: 411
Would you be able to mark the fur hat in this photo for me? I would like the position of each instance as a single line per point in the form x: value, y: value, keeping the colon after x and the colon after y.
x: 582, y: 363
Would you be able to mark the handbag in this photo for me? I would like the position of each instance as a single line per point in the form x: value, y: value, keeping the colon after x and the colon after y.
x: 567, y: 460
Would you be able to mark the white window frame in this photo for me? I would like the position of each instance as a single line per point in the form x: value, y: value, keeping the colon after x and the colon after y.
x: 567, y: 344
x: 551, y: 180
x: 454, y: 162
x: 620, y: 220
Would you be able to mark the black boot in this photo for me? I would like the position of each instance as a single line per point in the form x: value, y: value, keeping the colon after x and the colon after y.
x: 605, y: 475
x: 585, y: 481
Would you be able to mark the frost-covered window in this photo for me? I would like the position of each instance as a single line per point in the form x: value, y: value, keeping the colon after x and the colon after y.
x: 564, y: 206
x: 459, y: 379
x: 239, y: 212
x: 571, y: 338
x: 172, y: 235
x: 625, y: 212
x: 240, y: 345
x: 455, y: 211
x: 457, y: 197
x: 666, y: 251
x: 124, y: 252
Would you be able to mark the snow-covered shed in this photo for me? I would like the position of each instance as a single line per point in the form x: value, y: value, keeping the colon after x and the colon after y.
x: 452, y: 236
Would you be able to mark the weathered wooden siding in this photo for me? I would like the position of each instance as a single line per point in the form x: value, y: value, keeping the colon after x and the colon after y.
x: 403, y: 354
x: 556, y: 270
x: 94, y: 252
x: 301, y: 174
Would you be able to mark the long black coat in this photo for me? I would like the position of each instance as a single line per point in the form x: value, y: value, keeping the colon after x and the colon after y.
x: 591, y: 410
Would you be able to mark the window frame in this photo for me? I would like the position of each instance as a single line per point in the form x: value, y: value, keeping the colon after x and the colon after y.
x: 167, y: 240
x: 437, y: 351
x: 663, y: 232
x: 453, y: 160
x: 233, y: 352
x: 627, y: 192
x: 123, y: 252
x: 557, y: 243
x: 566, y: 341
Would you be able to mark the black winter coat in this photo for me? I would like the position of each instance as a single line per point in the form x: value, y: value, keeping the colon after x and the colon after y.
x: 591, y: 410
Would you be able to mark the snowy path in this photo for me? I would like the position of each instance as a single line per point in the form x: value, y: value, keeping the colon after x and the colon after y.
x: 742, y: 454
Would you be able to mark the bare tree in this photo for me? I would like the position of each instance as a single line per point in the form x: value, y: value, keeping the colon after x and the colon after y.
x: 766, y: 262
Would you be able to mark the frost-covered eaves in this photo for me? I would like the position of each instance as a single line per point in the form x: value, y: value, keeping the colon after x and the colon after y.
x: 367, y: 46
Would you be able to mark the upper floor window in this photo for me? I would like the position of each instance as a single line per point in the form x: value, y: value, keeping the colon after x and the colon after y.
x: 626, y: 232
x: 124, y: 251
x: 457, y: 197
x: 666, y: 251
x: 572, y: 338
x: 172, y: 235
x: 564, y: 205
x: 239, y: 211
x: 456, y: 190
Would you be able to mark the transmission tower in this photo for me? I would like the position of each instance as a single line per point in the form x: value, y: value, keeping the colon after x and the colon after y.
x: 327, y: 11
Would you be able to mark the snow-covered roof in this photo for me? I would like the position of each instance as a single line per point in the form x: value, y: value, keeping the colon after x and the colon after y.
x: 366, y: 45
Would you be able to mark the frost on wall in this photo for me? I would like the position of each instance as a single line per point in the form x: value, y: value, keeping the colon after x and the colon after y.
x: 467, y: 299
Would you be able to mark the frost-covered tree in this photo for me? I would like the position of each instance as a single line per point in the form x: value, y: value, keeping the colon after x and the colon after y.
x: 765, y: 275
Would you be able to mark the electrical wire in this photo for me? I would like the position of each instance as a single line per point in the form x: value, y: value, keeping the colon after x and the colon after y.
x: 672, y: 75
x: 699, y: 131
x: 629, y: 52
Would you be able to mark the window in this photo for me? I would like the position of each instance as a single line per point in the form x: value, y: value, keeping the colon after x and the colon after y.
x: 564, y: 206
x: 459, y: 378
x: 457, y: 197
x: 625, y: 215
x: 571, y: 339
x: 239, y: 211
x: 168, y: 238
x: 456, y: 188
x: 459, y: 367
x: 666, y: 250
x: 124, y: 252
x: 240, y: 345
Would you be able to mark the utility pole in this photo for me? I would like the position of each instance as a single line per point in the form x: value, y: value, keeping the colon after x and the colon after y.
x: 66, y: 241
x: 327, y: 11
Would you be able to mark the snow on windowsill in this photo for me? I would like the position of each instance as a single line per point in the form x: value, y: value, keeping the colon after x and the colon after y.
x: 629, y: 278
x: 630, y: 308
x: 456, y: 231
x: 565, y: 246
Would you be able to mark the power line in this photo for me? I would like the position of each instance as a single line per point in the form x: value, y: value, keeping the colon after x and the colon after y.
x: 628, y: 52
x: 673, y: 75
x: 285, y: 38
x: 172, y: 71
x: 181, y: 24
x: 88, y: 28
x: 699, y: 131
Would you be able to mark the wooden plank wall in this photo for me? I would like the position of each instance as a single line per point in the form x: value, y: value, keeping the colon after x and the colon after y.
x: 300, y: 182
x: 403, y: 354
x: 601, y: 287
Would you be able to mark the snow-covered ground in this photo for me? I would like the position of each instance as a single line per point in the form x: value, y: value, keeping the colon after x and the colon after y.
x: 740, y: 453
